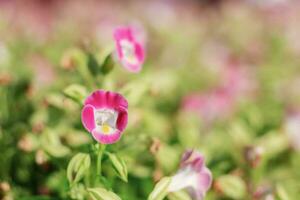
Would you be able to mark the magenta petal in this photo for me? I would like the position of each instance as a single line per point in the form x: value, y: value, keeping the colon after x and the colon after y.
x: 87, y: 118
x: 107, y: 99
x: 122, y: 120
x: 123, y: 33
x: 106, y: 138
x: 193, y: 158
x: 139, y: 52
x: 133, y: 68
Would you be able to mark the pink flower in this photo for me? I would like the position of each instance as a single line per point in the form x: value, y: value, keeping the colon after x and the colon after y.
x: 105, y: 116
x: 211, y: 106
x: 238, y: 81
x: 193, y: 176
x: 130, y: 49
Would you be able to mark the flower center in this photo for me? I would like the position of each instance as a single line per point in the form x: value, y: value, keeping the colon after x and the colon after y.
x: 128, y: 51
x: 106, y: 120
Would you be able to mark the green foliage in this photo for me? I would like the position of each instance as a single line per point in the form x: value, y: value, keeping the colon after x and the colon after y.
x: 160, y: 190
x: 102, y: 194
x: 44, y: 80
x: 119, y: 166
x: 232, y: 186
x: 78, y: 167
x: 76, y: 92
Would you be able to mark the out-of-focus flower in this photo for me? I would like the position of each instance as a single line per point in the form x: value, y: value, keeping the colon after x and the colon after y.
x: 130, y: 50
x: 292, y: 128
x: 40, y: 157
x: 4, y: 187
x: 5, y: 79
x: 236, y: 84
x: 43, y: 70
x: 237, y: 81
x: 155, y: 146
x: 193, y: 176
x: 26, y: 143
x: 253, y: 155
x: 210, y: 106
x: 67, y: 62
x: 105, y: 116
x: 263, y: 192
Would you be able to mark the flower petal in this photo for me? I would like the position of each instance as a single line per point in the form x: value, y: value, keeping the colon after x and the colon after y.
x: 122, y: 120
x: 193, y: 158
x: 88, y: 118
x: 205, y: 180
x: 106, y: 138
x: 107, y: 99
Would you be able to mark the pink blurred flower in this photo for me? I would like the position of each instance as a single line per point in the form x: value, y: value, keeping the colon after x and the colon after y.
x: 237, y: 81
x: 292, y: 128
x: 219, y: 103
x: 209, y: 106
x: 130, y: 49
x: 193, y: 176
x: 105, y: 116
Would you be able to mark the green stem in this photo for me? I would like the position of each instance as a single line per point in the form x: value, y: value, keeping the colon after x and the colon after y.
x: 99, y: 159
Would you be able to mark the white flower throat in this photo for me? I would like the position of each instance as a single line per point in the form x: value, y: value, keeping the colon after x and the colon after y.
x: 128, y: 51
x: 106, y: 120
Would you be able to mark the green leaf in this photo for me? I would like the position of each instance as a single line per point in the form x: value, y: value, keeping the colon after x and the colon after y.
x: 180, y: 195
x: 77, y: 167
x: 51, y: 143
x: 119, y: 166
x: 76, y: 92
x: 102, y: 194
x: 232, y: 186
x: 282, y: 193
x: 160, y: 190
x: 93, y: 64
x: 81, y: 62
x: 108, y: 64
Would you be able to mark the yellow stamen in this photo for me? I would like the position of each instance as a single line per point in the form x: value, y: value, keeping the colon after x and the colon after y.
x: 105, y: 128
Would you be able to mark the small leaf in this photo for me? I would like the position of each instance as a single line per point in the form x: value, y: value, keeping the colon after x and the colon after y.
x: 77, y: 167
x: 81, y: 61
x: 51, y: 143
x: 93, y: 64
x: 160, y: 190
x: 232, y: 186
x: 102, y: 194
x: 119, y: 166
x: 107, y: 65
x: 180, y: 195
x: 76, y: 92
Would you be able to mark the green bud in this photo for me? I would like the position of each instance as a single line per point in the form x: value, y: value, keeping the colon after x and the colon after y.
x: 102, y: 194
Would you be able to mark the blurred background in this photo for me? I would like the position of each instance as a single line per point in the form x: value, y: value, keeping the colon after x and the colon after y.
x: 221, y: 76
